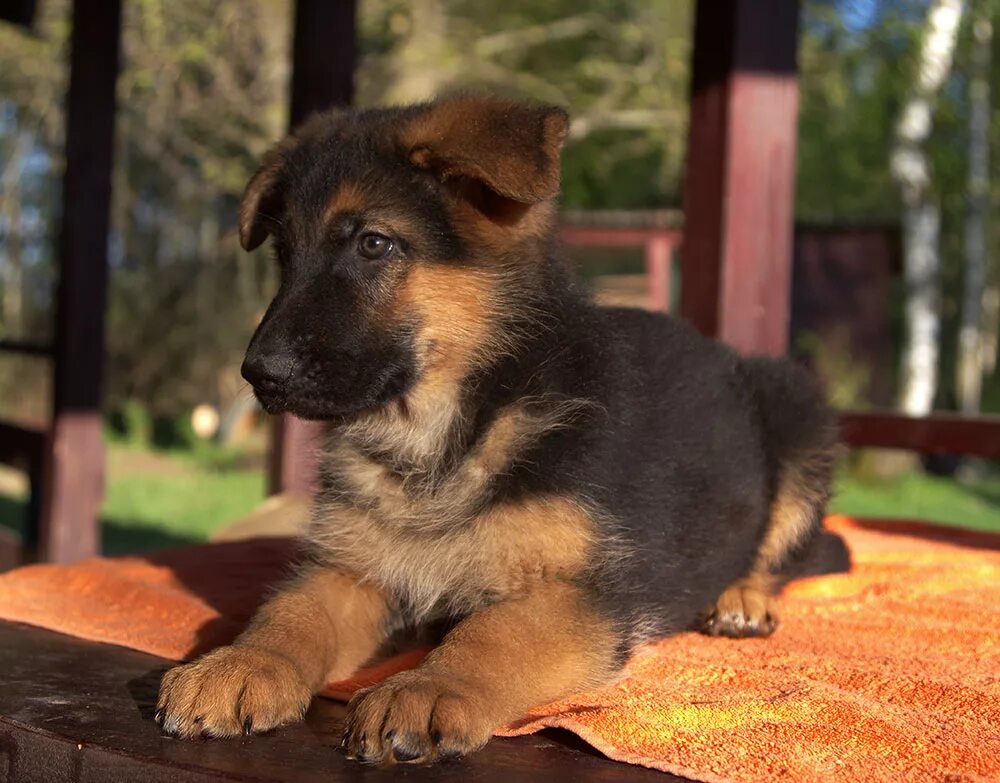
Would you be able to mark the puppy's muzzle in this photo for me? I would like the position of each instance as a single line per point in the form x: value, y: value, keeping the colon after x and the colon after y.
x: 269, y: 372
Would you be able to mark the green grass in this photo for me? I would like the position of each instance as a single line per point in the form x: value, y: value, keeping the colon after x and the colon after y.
x: 973, y: 504
x: 141, y: 510
x: 160, y: 499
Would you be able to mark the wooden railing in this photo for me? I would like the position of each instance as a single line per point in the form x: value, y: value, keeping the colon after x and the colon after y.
x: 658, y: 244
x: 939, y: 432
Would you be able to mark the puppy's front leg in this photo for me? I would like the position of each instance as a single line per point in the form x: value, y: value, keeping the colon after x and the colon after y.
x: 320, y: 627
x: 491, y: 669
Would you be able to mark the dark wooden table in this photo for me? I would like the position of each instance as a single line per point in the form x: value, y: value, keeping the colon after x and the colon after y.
x: 72, y: 710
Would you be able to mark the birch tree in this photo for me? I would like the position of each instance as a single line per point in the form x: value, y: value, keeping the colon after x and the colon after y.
x: 921, y: 211
x: 969, y: 380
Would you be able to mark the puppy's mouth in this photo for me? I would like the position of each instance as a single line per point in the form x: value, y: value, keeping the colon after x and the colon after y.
x: 337, y: 400
x: 273, y: 403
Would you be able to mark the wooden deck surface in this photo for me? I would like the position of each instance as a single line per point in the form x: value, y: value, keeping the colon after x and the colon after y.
x: 72, y: 710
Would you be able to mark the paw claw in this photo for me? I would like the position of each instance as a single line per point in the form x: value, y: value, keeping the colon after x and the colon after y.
x: 741, y: 611
x: 206, y: 698
x: 404, y: 754
x: 415, y: 718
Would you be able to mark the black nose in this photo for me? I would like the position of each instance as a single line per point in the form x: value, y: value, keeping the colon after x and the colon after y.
x: 268, y: 371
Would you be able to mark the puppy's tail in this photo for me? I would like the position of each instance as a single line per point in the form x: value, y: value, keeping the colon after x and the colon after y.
x: 800, y: 441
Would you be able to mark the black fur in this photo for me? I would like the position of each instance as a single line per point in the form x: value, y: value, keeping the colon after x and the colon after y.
x: 680, y: 455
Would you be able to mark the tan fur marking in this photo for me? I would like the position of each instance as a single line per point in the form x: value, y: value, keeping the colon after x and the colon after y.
x: 322, y: 626
x: 252, y: 229
x: 422, y: 501
x: 792, y: 513
x: 497, y: 142
x: 499, y: 162
x: 504, y: 228
x: 347, y: 198
x: 454, y: 309
x: 491, y: 669
x: 790, y: 519
x: 501, y: 554
x: 337, y: 623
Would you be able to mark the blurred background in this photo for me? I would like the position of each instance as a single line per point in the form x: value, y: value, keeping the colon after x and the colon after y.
x: 203, y: 92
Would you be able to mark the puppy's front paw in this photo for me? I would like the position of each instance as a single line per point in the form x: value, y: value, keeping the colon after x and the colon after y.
x: 231, y: 691
x: 415, y: 717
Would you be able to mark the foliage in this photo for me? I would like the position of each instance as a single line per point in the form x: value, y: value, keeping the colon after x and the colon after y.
x: 130, y: 424
x: 203, y: 92
x: 853, y: 81
x: 196, y: 109
x: 846, y: 380
x: 627, y: 91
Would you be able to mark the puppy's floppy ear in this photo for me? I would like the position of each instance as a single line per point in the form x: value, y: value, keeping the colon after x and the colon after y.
x: 262, y: 197
x: 512, y: 148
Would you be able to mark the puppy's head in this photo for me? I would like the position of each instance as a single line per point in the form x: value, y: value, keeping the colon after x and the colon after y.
x: 403, y: 237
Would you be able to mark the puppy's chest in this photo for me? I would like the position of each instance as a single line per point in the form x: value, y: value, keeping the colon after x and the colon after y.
x: 505, y: 551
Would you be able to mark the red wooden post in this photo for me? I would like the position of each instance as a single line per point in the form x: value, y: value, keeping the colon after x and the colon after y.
x: 323, y: 58
x: 659, y: 252
x: 739, y: 192
x: 74, y: 461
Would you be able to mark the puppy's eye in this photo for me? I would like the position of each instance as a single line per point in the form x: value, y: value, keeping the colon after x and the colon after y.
x: 374, y: 246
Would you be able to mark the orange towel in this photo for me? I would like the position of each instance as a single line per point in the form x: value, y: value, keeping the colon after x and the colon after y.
x: 890, y: 672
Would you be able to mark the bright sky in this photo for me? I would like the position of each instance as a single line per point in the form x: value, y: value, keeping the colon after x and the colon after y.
x: 858, y: 14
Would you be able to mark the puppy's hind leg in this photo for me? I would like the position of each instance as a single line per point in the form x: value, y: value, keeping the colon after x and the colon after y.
x: 747, y: 607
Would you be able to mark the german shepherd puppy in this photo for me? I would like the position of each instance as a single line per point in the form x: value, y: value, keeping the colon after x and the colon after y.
x: 560, y: 482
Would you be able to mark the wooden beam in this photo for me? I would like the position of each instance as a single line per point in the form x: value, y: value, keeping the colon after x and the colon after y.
x: 20, y: 12
x: 25, y: 347
x: 324, y: 51
x: 74, y: 463
x: 659, y: 256
x: 614, y: 236
x: 739, y: 190
x: 939, y: 433
x: 19, y: 445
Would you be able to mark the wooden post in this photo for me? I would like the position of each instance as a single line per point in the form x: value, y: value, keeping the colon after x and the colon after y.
x: 323, y: 58
x: 74, y: 459
x: 324, y: 52
x: 659, y: 251
x: 740, y: 185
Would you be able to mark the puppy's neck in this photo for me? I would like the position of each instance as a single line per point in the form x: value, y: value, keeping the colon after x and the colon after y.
x: 415, y: 434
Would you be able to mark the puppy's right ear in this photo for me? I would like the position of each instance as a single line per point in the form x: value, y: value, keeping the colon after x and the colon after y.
x: 262, y: 199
